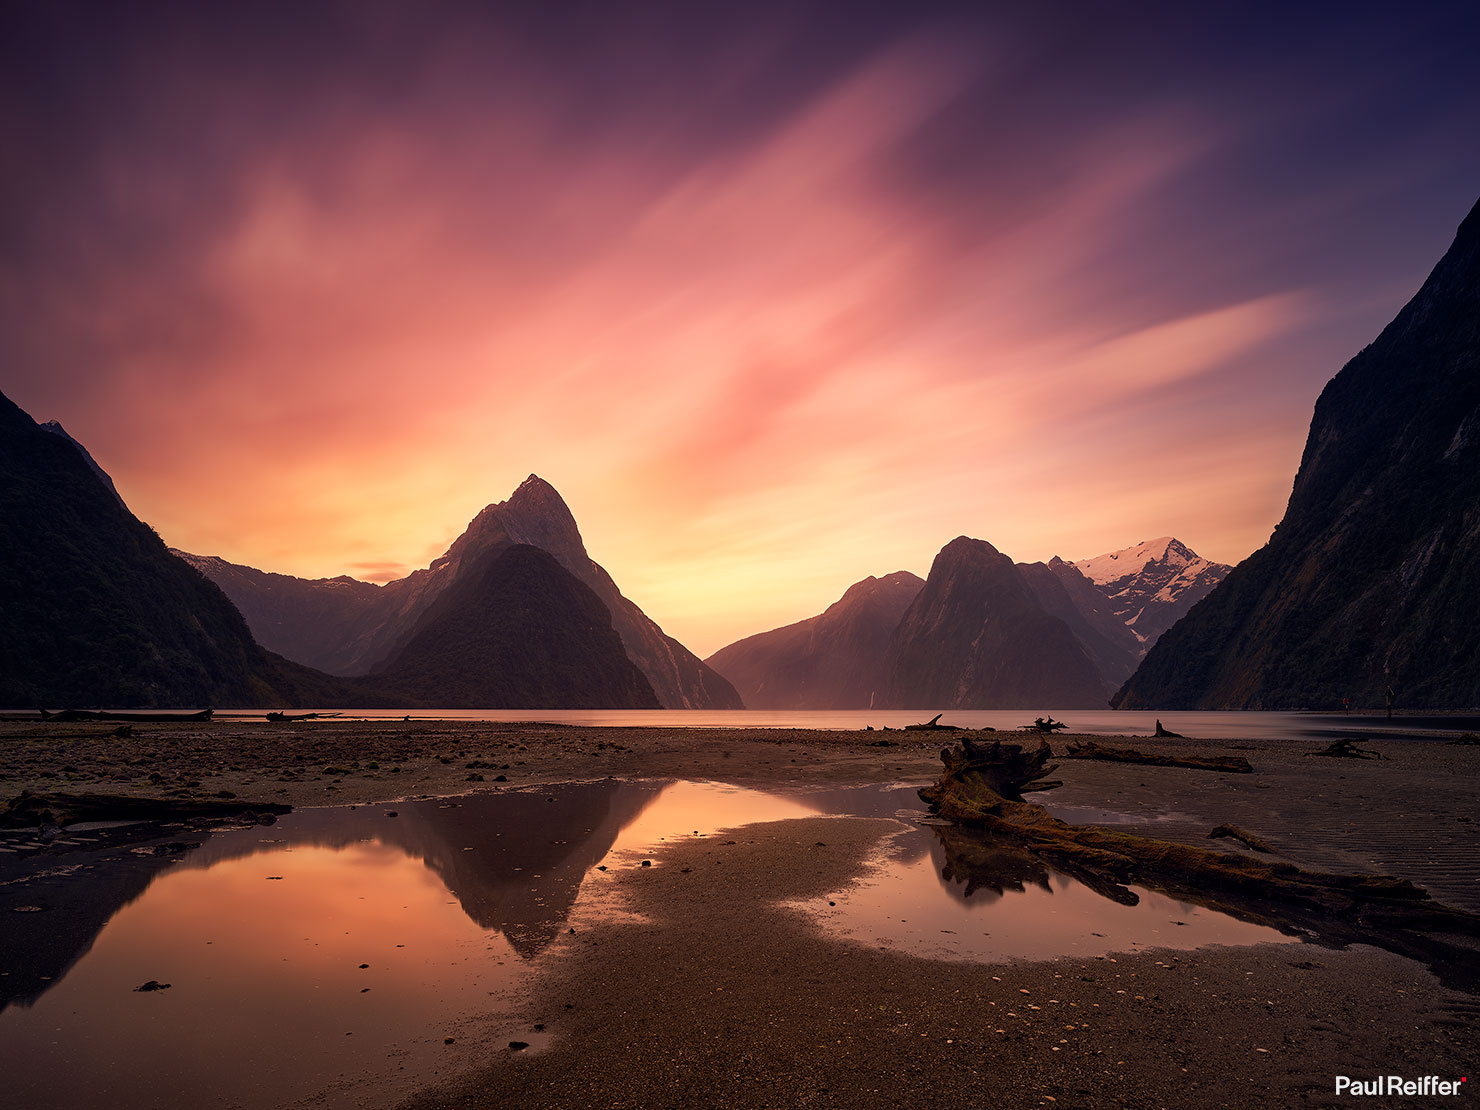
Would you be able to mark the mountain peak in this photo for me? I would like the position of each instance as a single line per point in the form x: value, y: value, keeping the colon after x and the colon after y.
x: 1114, y: 565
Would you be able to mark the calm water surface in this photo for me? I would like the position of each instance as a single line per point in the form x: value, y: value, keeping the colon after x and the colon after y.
x: 1099, y: 722
x: 330, y: 956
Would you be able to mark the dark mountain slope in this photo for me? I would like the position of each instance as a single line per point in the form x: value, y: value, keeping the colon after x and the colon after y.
x: 95, y: 611
x: 1373, y: 576
x: 516, y: 630
x: 351, y: 627
x: 1074, y: 599
x: 834, y: 660
x: 976, y: 638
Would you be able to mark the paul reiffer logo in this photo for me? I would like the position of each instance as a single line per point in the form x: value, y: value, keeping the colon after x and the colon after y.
x: 1397, y: 1085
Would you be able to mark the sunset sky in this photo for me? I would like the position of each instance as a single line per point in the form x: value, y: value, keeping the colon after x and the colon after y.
x: 778, y: 295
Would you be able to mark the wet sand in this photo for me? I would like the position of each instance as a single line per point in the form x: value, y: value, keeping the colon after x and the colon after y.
x: 725, y: 995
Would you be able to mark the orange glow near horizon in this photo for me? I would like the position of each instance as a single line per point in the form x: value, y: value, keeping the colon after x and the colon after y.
x: 759, y: 364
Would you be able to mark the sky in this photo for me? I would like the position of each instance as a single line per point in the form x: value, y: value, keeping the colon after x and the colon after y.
x: 777, y: 295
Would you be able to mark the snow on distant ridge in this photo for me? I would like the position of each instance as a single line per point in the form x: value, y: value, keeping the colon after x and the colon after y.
x: 1103, y: 569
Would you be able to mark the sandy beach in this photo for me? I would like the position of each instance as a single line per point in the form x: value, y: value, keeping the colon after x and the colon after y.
x: 719, y: 984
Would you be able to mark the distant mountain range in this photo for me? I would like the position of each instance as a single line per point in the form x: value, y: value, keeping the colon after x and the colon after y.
x: 1372, y: 579
x: 348, y: 627
x: 95, y: 611
x: 981, y: 632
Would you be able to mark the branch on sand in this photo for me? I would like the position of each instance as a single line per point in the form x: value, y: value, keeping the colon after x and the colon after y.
x: 1230, y: 764
x: 1347, y: 749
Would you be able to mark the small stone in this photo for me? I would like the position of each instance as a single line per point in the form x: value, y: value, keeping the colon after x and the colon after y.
x: 153, y: 985
x: 364, y: 966
x: 647, y: 863
x: 448, y: 1040
x: 391, y: 813
x: 518, y: 1046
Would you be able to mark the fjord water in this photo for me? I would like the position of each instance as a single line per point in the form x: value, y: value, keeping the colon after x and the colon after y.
x: 1204, y: 724
x: 336, y: 952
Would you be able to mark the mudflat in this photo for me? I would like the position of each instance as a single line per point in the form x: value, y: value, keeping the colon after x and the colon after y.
x: 720, y: 984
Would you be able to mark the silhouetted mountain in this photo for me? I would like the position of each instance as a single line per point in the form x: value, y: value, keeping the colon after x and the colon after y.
x: 516, y: 630
x: 95, y: 611
x: 976, y: 637
x: 834, y: 660
x: 350, y: 627
x: 1153, y: 584
x: 1373, y: 576
x: 1065, y: 593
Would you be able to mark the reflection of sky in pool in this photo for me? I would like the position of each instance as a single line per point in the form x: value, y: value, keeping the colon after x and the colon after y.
x: 454, y: 905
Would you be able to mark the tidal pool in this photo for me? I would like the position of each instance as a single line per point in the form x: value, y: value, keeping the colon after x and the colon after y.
x: 349, y: 955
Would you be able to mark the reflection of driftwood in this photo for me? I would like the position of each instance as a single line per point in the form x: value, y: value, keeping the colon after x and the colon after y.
x: 66, y: 809
x: 1233, y: 764
x: 1340, y: 908
x: 1347, y: 749
x: 1236, y: 833
x: 1005, y: 770
x: 1163, y: 734
x: 933, y: 725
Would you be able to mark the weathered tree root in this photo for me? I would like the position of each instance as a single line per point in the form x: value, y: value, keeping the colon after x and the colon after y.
x: 1245, y: 837
x: 1166, y: 734
x: 1347, y: 749
x: 1002, y: 770
x: 1340, y: 909
x: 1230, y: 764
x: 30, y: 810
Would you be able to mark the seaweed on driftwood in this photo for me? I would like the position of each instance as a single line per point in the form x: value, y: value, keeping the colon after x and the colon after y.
x: 1231, y: 764
x: 1338, y: 909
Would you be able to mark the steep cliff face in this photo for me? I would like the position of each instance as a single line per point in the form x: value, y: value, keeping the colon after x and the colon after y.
x: 1372, y: 578
x: 516, y: 630
x: 834, y: 660
x: 95, y: 611
x: 349, y: 627
x: 976, y: 637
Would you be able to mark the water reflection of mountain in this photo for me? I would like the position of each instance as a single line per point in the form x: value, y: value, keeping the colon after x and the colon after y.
x: 515, y: 862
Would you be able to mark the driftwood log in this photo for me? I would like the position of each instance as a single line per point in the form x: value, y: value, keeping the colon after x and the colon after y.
x: 1088, y: 749
x: 1165, y: 734
x: 1347, y: 749
x: 1338, y: 909
x: 933, y: 725
x: 1045, y: 725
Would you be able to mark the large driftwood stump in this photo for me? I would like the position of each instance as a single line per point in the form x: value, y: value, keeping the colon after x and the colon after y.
x: 980, y: 772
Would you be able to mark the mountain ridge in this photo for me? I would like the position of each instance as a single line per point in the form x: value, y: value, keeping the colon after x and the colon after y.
x: 1371, y: 580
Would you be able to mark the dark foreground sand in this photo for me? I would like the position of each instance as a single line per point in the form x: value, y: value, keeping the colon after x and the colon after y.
x: 720, y: 994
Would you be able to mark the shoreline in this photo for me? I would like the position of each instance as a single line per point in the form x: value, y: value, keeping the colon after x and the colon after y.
x: 724, y: 993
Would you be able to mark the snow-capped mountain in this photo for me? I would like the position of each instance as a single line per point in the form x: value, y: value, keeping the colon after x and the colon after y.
x: 1151, y: 585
